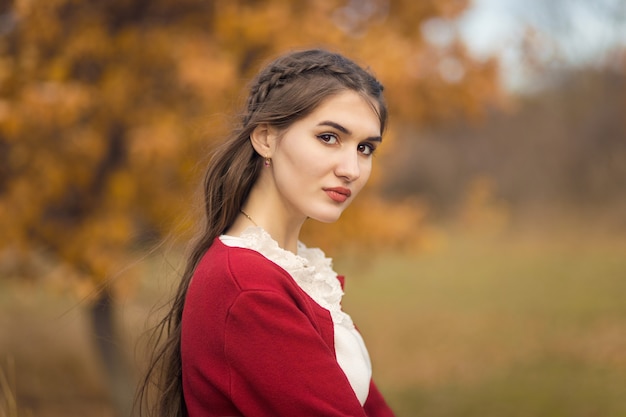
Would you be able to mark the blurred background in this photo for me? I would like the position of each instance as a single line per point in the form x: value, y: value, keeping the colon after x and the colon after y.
x: 486, y: 262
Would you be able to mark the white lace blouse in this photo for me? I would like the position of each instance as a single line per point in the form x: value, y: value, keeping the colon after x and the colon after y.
x: 313, y: 272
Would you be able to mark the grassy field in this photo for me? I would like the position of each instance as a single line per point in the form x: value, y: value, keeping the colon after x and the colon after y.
x: 521, y: 325
x: 496, y: 327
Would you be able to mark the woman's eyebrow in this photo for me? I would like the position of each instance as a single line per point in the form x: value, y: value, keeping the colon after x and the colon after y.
x: 345, y: 130
x: 336, y: 126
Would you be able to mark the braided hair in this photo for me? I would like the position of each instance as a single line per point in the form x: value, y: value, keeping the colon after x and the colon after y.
x: 285, y: 91
x: 306, y: 66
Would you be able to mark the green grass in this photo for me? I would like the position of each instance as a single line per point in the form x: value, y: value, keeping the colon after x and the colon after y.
x: 497, y: 327
x: 546, y: 387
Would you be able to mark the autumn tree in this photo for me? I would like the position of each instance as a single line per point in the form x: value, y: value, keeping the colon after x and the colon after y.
x: 107, y: 108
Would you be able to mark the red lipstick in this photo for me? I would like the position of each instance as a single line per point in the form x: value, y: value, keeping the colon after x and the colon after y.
x: 338, y: 194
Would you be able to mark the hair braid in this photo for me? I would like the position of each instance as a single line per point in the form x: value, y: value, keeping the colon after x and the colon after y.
x: 277, y: 76
x: 307, y: 63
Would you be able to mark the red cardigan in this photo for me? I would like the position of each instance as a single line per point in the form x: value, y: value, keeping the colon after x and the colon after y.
x: 255, y: 344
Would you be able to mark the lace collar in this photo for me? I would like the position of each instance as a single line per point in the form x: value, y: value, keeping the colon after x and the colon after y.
x: 310, y: 269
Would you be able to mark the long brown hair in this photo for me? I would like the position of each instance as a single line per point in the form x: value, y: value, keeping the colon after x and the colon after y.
x: 286, y: 90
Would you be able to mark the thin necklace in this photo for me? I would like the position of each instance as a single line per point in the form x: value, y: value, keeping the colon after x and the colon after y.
x: 248, y: 217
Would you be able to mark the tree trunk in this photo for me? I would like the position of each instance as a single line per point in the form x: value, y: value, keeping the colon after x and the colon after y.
x: 109, y: 348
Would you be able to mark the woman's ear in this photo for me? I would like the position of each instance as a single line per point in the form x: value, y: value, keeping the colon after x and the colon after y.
x: 263, y: 139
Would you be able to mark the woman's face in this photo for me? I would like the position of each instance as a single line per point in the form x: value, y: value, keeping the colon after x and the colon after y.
x: 321, y: 162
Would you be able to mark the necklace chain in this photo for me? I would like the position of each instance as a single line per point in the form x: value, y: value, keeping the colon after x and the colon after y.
x: 248, y: 217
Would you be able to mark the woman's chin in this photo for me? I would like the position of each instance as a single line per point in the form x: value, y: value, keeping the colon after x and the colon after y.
x: 327, y: 217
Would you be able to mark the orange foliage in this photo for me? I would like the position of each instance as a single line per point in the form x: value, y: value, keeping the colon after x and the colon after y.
x: 105, y: 107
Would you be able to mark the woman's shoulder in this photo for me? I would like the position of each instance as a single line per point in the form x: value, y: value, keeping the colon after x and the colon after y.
x: 245, y: 268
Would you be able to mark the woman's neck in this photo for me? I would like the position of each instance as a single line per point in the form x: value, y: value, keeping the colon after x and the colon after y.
x: 266, y: 211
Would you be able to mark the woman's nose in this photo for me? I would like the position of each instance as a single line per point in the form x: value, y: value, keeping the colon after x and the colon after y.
x: 348, y: 166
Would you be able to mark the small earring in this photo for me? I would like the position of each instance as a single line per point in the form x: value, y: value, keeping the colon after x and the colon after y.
x: 268, y: 161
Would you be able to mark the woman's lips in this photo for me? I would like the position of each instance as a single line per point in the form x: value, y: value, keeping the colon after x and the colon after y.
x: 338, y: 194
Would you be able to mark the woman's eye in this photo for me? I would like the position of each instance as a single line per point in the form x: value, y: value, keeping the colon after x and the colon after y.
x: 366, y: 149
x: 328, y: 138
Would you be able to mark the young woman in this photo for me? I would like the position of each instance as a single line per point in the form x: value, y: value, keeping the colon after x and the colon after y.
x: 256, y: 328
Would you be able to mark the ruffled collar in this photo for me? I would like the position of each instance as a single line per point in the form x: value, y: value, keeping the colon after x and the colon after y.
x: 310, y: 269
